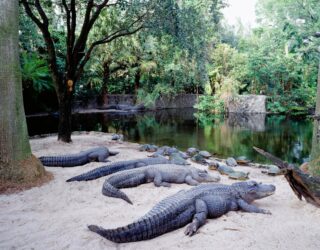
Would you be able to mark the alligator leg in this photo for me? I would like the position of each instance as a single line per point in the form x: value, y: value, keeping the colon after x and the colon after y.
x: 251, y: 208
x: 191, y: 181
x: 159, y: 183
x: 199, y: 218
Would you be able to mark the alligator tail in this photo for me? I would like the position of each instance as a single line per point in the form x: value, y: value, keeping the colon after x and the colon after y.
x: 111, y: 191
x: 108, y: 234
x: 133, y: 232
x: 96, y: 173
x: 77, y: 178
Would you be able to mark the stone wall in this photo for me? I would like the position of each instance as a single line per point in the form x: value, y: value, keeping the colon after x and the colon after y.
x: 178, y: 101
x: 121, y: 99
x: 247, y: 104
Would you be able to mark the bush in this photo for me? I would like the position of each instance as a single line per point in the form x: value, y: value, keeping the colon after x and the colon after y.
x: 210, y: 104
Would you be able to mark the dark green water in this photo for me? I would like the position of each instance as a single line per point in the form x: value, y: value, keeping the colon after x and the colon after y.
x: 234, y: 136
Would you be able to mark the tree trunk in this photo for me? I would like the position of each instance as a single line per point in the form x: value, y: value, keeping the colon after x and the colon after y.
x: 302, y: 184
x: 314, y: 164
x: 65, y: 111
x: 17, y: 165
x: 106, y: 78
x: 137, y: 80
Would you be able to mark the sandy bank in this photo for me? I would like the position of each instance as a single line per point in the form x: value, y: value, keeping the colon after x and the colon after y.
x: 56, y: 215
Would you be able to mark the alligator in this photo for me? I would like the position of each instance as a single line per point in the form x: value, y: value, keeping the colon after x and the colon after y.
x: 118, y: 166
x: 161, y: 175
x: 193, y: 206
x: 99, y: 154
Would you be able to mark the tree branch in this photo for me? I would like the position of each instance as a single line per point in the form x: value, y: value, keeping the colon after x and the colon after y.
x: 86, y: 27
x: 105, y: 40
x: 42, y: 13
x: 73, y: 21
x: 44, y: 28
x: 30, y: 13
x: 69, y: 45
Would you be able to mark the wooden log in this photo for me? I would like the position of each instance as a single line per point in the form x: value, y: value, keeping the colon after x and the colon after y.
x: 302, y: 184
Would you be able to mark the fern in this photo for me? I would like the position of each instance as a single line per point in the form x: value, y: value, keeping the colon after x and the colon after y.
x: 35, y: 72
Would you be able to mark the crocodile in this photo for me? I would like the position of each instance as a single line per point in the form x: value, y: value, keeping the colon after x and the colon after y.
x: 99, y: 154
x: 161, y: 175
x: 118, y: 166
x: 193, y: 206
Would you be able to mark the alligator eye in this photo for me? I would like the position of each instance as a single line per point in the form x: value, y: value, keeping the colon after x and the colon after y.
x: 253, y: 183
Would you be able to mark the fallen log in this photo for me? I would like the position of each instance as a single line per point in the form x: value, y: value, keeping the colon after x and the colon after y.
x: 302, y: 184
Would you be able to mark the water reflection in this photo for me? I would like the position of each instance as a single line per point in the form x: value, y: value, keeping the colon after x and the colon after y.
x: 225, y: 136
x: 254, y: 122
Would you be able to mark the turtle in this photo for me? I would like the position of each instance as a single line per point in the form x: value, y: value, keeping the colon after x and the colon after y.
x: 205, y: 154
x: 176, y: 158
x: 213, y: 164
x: 148, y: 148
x: 224, y: 169
x: 183, y: 155
x: 199, y: 159
x: 192, y: 151
x: 239, y: 175
x: 272, y: 170
x: 231, y: 162
x: 242, y: 160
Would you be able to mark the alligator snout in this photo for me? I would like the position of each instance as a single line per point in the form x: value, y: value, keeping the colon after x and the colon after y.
x: 213, y: 178
x: 266, y: 190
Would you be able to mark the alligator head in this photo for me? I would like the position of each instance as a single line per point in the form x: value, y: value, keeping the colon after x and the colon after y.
x: 252, y: 190
x: 204, y: 176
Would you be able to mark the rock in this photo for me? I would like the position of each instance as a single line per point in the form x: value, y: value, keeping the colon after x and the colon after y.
x: 231, y: 162
x: 205, y: 154
x: 117, y: 137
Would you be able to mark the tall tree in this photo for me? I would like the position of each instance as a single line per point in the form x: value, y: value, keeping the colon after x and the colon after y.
x: 17, y: 164
x: 78, y: 51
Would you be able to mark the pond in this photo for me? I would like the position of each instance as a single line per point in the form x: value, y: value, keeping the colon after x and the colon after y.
x: 288, y: 138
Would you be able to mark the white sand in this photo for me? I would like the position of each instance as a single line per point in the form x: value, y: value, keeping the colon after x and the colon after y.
x: 56, y: 215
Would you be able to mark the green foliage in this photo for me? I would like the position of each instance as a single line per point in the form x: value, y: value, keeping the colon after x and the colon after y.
x: 210, y: 104
x: 275, y: 107
x: 35, y: 73
x: 172, y: 51
x: 279, y: 56
x: 159, y: 91
x: 186, y: 49
x: 228, y: 71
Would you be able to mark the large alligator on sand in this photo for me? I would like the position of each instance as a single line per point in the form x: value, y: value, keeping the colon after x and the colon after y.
x: 161, y: 175
x: 195, y: 206
x: 99, y: 154
x: 118, y: 166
